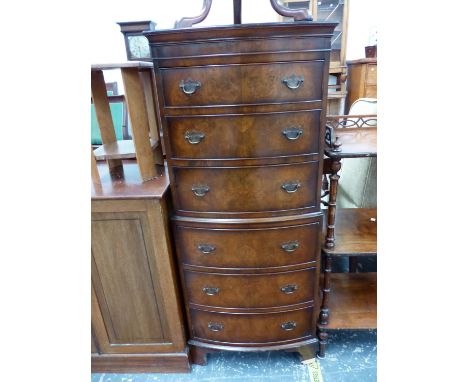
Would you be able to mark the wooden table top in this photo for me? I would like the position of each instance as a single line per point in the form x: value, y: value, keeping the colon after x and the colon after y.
x: 128, y: 185
x: 355, y: 143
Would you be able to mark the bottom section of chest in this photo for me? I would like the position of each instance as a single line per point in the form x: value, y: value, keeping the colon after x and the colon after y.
x: 250, y: 285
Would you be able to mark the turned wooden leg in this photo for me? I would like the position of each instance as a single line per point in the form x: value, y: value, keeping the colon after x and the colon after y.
x: 198, y: 355
x: 324, y: 312
x: 323, y: 340
x: 334, y: 177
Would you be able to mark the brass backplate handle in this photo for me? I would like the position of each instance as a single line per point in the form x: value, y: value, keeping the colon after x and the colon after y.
x: 189, y: 86
x: 211, y: 291
x: 194, y: 137
x: 206, y: 249
x: 293, y: 133
x: 291, y: 187
x: 215, y: 326
x: 290, y: 246
x: 289, y: 289
x: 290, y: 325
x: 200, y: 189
x: 293, y: 81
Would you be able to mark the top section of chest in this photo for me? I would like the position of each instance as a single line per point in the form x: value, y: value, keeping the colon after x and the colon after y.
x: 241, y: 65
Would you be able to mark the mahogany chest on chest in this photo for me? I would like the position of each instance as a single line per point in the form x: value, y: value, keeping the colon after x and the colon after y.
x: 243, y: 111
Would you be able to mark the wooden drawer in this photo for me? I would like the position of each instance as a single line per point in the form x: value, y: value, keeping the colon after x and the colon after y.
x: 245, y: 136
x: 248, y: 248
x: 246, y: 189
x: 236, y: 48
x: 371, y: 75
x: 242, y: 84
x: 250, y: 290
x: 252, y: 328
x: 371, y: 91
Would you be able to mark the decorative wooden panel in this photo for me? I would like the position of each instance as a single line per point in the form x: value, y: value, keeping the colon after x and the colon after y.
x: 125, y: 281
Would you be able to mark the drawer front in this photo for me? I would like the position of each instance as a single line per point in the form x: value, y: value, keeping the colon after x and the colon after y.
x: 241, y: 47
x: 245, y: 136
x: 371, y: 74
x: 252, y: 328
x: 250, y: 290
x: 246, y: 189
x: 248, y: 248
x: 371, y: 91
x: 243, y: 84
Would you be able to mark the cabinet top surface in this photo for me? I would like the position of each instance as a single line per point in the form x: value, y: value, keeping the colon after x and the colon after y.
x: 124, y: 65
x: 362, y: 61
x: 128, y: 184
x: 241, y: 31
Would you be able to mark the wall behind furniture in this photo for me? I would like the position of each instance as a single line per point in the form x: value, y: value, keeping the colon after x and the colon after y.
x: 362, y: 27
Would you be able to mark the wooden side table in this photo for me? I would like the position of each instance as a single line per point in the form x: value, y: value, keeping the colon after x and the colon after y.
x: 349, y: 232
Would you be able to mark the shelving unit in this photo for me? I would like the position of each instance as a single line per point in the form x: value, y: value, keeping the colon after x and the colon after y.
x: 353, y: 301
x: 349, y: 300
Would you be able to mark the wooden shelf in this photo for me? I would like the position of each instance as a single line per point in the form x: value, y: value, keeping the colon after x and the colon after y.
x: 338, y: 94
x: 336, y: 67
x: 353, y: 301
x: 355, y: 232
x: 119, y: 150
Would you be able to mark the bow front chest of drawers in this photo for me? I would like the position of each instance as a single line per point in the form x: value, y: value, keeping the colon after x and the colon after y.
x: 243, y: 112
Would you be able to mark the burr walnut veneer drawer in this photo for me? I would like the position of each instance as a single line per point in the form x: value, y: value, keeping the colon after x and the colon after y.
x: 243, y: 84
x: 245, y: 136
x: 246, y: 189
x: 248, y: 248
x: 250, y: 290
x: 234, y: 50
x: 253, y: 328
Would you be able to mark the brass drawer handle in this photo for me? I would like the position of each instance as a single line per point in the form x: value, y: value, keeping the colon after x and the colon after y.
x: 189, y: 86
x: 293, y: 82
x: 290, y: 325
x: 206, y: 249
x: 290, y: 246
x: 211, y: 291
x: 194, y: 137
x: 200, y: 189
x: 291, y: 187
x: 289, y: 289
x: 215, y: 326
x: 293, y: 133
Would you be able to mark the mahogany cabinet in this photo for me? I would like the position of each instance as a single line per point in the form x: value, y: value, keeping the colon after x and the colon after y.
x: 362, y: 80
x: 137, y: 320
x: 243, y: 109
